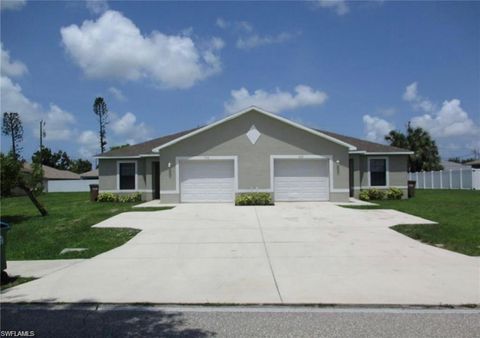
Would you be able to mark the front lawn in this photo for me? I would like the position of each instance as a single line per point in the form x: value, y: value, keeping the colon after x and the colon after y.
x: 456, y: 211
x: 68, y: 225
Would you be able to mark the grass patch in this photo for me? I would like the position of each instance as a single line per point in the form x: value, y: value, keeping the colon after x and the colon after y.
x: 14, y: 281
x: 68, y: 225
x: 456, y: 211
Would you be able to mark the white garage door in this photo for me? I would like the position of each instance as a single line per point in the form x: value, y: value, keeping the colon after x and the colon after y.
x: 206, y: 181
x: 301, y: 180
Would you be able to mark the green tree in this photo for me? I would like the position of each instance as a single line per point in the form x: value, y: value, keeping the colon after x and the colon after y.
x: 120, y: 146
x: 9, y: 170
x: 80, y: 166
x: 425, y: 152
x: 12, y: 126
x: 100, y: 109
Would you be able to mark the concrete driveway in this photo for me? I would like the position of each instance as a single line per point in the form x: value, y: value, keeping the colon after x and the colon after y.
x: 289, y: 253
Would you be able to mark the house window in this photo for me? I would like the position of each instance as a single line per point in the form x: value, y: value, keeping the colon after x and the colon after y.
x: 127, y: 176
x: 378, y: 172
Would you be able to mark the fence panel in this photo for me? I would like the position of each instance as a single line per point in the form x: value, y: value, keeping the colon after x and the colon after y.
x: 70, y: 185
x: 447, y: 179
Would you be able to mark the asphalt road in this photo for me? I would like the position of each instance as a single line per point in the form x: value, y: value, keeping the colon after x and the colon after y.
x: 192, y: 321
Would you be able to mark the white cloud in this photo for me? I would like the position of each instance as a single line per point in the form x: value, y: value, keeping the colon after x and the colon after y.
x: 339, y: 6
x: 388, y: 112
x: 9, y: 67
x: 128, y: 130
x: 276, y: 101
x: 12, y: 4
x: 376, y: 128
x: 58, y: 124
x: 114, y: 47
x: 450, y: 120
x: 13, y: 100
x: 418, y: 102
x: 97, y: 6
x: 117, y: 93
x: 244, y: 26
x: 255, y: 40
x: 89, y: 143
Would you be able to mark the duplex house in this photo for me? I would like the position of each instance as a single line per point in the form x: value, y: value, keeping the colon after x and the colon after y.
x: 252, y: 151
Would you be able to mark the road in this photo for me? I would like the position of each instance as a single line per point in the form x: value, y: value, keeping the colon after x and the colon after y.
x: 252, y: 321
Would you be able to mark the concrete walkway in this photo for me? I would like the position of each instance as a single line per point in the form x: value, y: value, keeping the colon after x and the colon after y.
x: 39, y: 268
x: 289, y: 253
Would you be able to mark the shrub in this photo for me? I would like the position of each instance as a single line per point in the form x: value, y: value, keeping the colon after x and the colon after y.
x: 372, y: 194
x: 255, y: 198
x: 110, y: 197
x: 394, y: 194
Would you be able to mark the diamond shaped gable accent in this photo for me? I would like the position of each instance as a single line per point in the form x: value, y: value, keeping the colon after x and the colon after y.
x: 253, y: 134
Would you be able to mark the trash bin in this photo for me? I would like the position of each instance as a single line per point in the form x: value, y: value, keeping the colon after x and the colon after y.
x: 3, y: 242
x: 411, y: 189
x: 93, y: 192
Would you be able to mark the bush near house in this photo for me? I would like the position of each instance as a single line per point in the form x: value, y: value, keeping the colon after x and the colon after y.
x: 374, y: 194
x: 255, y: 198
x: 110, y: 197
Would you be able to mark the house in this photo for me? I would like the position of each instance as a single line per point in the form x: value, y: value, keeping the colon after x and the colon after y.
x: 449, y: 165
x: 89, y: 175
x: 474, y: 164
x: 49, y: 174
x: 252, y: 150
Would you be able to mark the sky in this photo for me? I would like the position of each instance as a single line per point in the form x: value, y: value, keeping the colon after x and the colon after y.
x: 355, y: 68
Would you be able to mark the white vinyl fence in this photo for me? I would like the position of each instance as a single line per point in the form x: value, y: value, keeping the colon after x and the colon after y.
x: 69, y: 185
x: 447, y: 179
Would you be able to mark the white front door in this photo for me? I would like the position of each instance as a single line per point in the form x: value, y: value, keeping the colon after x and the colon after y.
x: 206, y: 180
x: 301, y: 180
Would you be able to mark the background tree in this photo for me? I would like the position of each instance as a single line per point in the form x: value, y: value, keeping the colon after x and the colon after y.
x: 100, y: 109
x: 425, y: 151
x: 80, y: 166
x: 12, y: 126
x: 120, y: 146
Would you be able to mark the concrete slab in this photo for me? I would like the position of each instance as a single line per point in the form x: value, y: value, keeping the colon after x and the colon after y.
x: 288, y: 253
x: 39, y: 268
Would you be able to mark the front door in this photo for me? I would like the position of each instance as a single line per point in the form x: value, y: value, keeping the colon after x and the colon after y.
x: 156, y: 179
x: 350, y: 175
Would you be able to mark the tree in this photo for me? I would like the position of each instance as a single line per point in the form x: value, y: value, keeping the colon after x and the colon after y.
x: 12, y: 126
x: 13, y: 176
x: 80, y: 166
x: 120, y: 146
x: 100, y: 109
x: 425, y: 152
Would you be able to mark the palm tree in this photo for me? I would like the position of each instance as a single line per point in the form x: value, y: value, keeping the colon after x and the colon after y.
x: 425, y: 152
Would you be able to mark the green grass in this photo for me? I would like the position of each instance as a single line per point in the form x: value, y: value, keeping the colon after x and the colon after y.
x: 456, y: 211
x: 14, y: 281
x: 68, y: 225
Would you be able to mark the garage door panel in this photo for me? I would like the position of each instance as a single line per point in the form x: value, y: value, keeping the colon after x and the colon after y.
x: 206, y: 180
x: 301, y: 180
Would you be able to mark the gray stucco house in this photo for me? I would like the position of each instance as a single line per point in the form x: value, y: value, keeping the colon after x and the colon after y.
x: 252, y: 150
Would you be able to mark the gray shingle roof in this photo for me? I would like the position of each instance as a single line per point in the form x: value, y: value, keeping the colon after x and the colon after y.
x: 145, y: 148
x: 363, y: 145
x: 50, y: 173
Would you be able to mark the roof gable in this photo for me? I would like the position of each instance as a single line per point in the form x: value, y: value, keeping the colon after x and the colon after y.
x: 261, y: 111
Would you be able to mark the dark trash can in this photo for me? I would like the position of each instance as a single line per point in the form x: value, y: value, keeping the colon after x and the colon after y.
x: 411, y: 188
x: 3, y: 242
x: 93, y: 192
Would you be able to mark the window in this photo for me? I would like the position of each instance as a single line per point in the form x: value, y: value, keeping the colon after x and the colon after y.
x: 127, y: 175
x: 378, y: 172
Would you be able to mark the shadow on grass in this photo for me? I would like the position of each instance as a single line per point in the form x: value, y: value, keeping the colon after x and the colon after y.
x: 83, y: 320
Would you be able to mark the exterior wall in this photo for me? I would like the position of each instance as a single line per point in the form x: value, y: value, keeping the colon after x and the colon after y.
x: 108, y: 176
x: 397, y: 172
x: 229, y: 139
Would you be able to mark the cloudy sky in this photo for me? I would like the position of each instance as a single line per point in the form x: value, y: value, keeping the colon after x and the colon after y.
x: 357, y: 68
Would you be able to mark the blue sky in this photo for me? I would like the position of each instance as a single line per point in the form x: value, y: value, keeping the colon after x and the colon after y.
x: 357, y: 68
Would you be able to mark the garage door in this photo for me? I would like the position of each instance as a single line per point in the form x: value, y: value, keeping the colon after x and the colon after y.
x: 301, y: 180
x: 206, y: 181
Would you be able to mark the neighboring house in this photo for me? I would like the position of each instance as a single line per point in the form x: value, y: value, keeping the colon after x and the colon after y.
x: 89, y: 175
x: 50, y: 174
x: 252, y: 150
x: 474, y: 164
x: 449, y: 165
